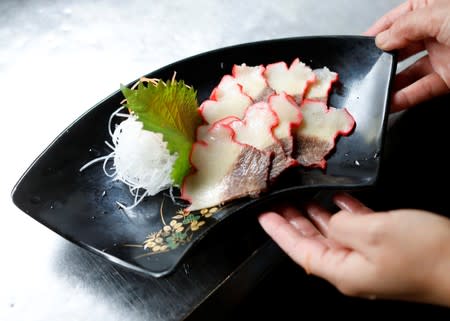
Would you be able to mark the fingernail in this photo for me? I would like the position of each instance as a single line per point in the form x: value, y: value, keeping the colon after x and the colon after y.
x: 319, y: 217
x: 342, y: 204
x: 296, y: 225
x: 312, y: 209
x: 263, y: 217
x: 346, y: 202
x: 381, y: 39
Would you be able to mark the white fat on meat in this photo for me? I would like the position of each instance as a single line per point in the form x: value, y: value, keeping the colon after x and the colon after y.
x: 293, y: 80
x: 288, y: 114
x: 227, y: 99
x: 252, y: 80
x: 255, y: 129
x: 321, y: 87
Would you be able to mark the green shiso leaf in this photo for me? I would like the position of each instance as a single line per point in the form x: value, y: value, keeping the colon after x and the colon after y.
x: 169, y: 108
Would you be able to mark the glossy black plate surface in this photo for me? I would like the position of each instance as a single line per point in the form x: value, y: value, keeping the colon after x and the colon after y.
x: 82, y: 206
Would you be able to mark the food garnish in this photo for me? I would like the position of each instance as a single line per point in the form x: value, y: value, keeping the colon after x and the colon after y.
x: 151, y: 147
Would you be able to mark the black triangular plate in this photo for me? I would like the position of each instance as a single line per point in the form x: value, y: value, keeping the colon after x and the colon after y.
x: 82, y: 206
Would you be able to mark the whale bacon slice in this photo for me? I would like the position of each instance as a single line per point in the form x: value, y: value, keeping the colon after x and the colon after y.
x: 320, y: 89
x: 293, y: 80
x: 256, y: 129
x: 252, y: 80
x: 316, y: 136
x: 225, y: 169
x: 256, y: 126
x: 289, y: 118
x: 227, y: 99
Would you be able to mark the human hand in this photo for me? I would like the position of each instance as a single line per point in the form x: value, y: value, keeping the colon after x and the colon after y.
x: 412, y: 27
x: 402, y: 254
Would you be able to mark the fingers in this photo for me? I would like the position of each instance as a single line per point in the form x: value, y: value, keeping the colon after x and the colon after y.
x: 388, y: 19
x: 303, y: 250
x: 319, y: 216
x: 429, y: 86
x: 300, y: 223
x: 306, y: 243
x: 412, y: 27
x: 351, y: 230
x: 350, y: 204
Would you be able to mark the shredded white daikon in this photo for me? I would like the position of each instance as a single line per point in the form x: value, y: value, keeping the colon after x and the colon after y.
x: 141, y: 159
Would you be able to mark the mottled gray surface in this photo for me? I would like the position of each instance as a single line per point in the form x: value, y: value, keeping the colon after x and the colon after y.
x: 57, y: 59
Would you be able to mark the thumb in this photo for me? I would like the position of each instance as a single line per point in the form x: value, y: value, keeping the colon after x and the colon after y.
x: 412, y: 27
